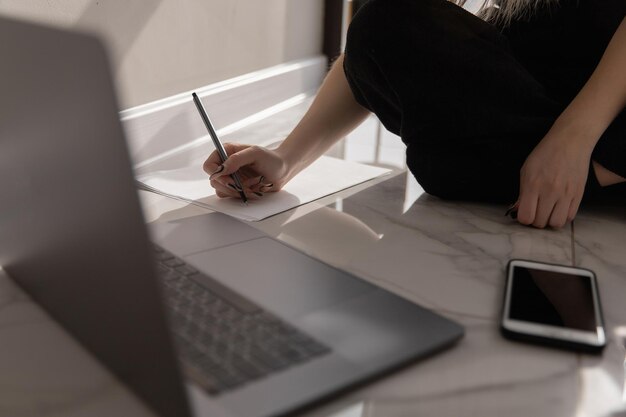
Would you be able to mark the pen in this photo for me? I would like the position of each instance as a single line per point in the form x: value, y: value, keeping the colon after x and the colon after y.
x: 218, y: 145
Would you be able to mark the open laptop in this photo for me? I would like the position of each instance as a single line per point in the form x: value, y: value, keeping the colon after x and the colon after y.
x: 218, y: 319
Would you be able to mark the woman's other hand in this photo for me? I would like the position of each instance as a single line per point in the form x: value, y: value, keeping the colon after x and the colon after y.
x: 552, y: 181
x: 554, y: 175
x: 261, y: 170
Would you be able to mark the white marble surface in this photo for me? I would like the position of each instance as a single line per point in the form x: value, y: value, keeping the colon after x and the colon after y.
x: 447, y: 256
x: 450, y: 257
x: 600, y: 245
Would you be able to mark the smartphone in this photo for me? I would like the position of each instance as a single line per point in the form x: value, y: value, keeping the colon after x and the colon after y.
x: 553, y: 305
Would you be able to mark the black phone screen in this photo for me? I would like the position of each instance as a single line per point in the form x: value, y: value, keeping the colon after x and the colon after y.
x: 552, y: 298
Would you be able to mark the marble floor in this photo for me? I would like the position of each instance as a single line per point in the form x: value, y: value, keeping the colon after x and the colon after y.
x: 451, y: 258
x: 446, y: 256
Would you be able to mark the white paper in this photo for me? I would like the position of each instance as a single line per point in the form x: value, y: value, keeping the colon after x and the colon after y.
x: 324, y: 177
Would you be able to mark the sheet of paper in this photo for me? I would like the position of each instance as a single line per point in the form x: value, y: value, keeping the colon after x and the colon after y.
x: 324, y: 177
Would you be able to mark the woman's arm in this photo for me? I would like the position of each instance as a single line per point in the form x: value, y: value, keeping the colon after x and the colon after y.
x: 553, y: 178
x: 602, y: 97
x: 333, y: 114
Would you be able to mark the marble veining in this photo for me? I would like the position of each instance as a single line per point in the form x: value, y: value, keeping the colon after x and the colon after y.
x: 444, y: 254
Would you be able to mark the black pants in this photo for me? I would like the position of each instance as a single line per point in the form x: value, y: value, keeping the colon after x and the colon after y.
x: 466, y: 106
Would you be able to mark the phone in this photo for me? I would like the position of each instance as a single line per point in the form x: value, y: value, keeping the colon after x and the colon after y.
x: 554, y: 305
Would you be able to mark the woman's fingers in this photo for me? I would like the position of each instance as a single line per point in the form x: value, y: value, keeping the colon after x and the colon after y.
x: 260, y: 170
x: 573, y: 207
x: 223, y: 189
x: 226, y: 187
x: 545, y: 207
x: 527, y: 207
x: 259, y: 184
x: 214, y: 162
x: 559, y: 214
x: 238, y: 160
x: 267, y: 188
x: 253, y: 182
x: 541, y: 210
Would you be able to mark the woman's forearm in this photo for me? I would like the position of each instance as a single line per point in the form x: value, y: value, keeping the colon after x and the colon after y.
x: 333, y: 114
x: 553, y: 177
x: 601, y: 99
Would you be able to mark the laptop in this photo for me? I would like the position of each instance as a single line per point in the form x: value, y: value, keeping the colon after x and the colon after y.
x: 212, y: 317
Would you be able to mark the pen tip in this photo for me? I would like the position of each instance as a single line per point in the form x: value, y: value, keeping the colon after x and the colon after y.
x: 194, y: 94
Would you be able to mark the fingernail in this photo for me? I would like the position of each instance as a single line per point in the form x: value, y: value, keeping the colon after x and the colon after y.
x: 512, y: 212
x: 257, y: 193
x: 234, y: 186
x: 265, y: 187
x: 217, y: 171
x: 261, y: 180
x: 511, y: 208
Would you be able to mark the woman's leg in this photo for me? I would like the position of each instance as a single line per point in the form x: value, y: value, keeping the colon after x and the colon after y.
x: 449, y: 85
x: 606, y: 177
x: 608, y: 172
x: 610, y: 152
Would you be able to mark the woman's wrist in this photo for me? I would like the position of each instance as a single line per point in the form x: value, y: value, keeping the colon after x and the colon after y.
x: 579, y: 132
x: 294, y: 155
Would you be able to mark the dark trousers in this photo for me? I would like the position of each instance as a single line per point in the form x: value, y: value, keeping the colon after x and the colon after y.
x: 451, y: 86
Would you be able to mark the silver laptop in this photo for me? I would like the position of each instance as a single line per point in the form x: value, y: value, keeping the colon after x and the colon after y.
x: 216, y: 319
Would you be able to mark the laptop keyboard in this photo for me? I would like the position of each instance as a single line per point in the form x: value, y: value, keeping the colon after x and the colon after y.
x: 224, y: 340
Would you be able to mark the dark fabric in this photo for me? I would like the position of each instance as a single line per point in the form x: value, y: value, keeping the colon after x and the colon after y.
x: 561, y: 46
x: 471, y: 100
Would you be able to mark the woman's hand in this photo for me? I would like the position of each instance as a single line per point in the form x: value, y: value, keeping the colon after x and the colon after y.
x: 333, y: 114
x: 554, y: 175
x: 552, y: 181
x: 261, y: 170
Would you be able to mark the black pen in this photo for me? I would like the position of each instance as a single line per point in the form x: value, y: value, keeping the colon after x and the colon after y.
x: 218, y: 145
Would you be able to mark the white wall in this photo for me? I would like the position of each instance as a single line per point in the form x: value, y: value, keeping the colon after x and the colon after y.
x: 163, y: 47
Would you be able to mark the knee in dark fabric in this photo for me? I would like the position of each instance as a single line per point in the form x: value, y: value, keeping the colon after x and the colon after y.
x: 431, y: 173
x: 465, y: 175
